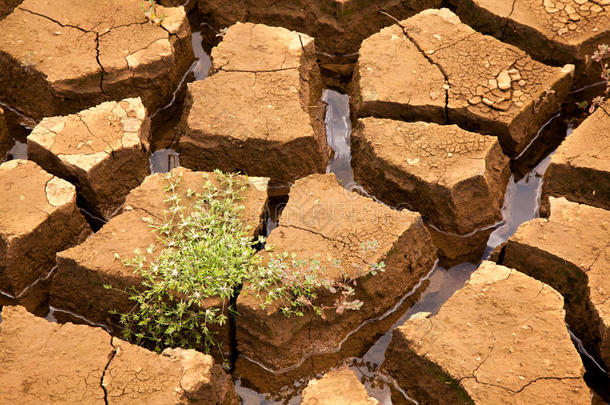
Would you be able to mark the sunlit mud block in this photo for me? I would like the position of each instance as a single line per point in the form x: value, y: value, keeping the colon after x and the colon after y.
x: 580, y: 167
x: 501, y: 339
x: 433, y: 67
x: 325, y: 222
x: 570, y: 251
x: 103, y: 151
x: 261, y: 113
x: 51, y: 363
x: 38, y: 218
x: 74, y: 54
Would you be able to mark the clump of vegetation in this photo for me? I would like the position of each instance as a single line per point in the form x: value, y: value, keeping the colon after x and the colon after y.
x: 206, y: 253
x: 150, y: 12
x: 602, y: 57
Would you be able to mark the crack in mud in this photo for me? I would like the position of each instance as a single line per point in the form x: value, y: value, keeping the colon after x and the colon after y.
x: 110, y: 358
x: 446, y: 87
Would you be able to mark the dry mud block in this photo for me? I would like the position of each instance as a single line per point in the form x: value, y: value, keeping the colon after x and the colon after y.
x: 501, y: 339
x: 74, y: 54
x: 433, y: 67
x: 5, y: 139
x: 338, y: 25
x: 261, y: 113
x: 339, y: 387
x: 51, y: 363
x: 557, y: 31
x: 38, y: 218
x: 454, y: 178
x: 82, y: 271
x: 322, y: 221
x: 570, y: 251
x: 580, y: 168
x: 102, y: 150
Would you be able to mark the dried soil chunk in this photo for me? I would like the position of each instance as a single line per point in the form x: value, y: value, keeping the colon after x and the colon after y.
x: 103, y: 150
x: 261, y: 113
x: 5, y: 139
x: 339, y: 387
x: 438, y: 69
x: 501, y: 339
x: 325, y: 222
x: 557, y: 31
x: 38, y: 218
x: 338, y: 25
x: 75, y: 54
x: 455, y: 178
x: 570, y: 251
x: 51, y: 363
x: 580, y: 168
x: 82, y: 271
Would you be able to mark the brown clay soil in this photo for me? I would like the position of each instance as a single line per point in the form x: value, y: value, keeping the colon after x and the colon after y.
x: 437, y: 110
x: 75, y: 54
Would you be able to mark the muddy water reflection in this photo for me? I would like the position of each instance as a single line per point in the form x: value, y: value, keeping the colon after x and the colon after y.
x: 18, y: 151
x: 164, y: 160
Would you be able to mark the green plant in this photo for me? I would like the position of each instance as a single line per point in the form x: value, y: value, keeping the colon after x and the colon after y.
x: 206, y: 252
x: 150, y: 12
x: 294, y: 283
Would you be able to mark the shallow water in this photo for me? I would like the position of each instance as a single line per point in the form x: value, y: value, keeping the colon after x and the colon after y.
x: 164, y: 160
x: 522, y: 203
x: 18, y: 151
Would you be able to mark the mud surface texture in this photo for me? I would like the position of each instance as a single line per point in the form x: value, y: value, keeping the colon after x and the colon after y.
x: 338, y: 387
x: 50, y: 363
x: 82, y: 271
x: 580, y: 168
x: 261, y: 112
x: 501, y: 339
x: 555, y: 31
x: 75, y: 54
x: 102, y: 150
x: 338, y: 25
x: 455, y: 178
x: 38, y: 218
x: 325, y: 222
x: 433, y: 67
x: 570, y: 251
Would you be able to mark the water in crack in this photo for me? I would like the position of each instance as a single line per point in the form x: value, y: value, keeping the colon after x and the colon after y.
x: 521, y: 201
x: 204, y: 62
x: 338, y: 133
x: 18, y: 151
x: 164, y: 160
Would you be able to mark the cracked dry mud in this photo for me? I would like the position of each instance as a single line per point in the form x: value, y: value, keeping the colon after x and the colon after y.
x: 260, y: 113
x: 38, y: 217
x: 102, y: 150
x: 454, y: 178
x: 570, y: 251
x: 433, y: 67
x: 75, y: 54
x: 50, y: 363
x: 324, y: 220
x: 338, y: 387
x: 501, y: 339
x: 580, y: 167
x: 78, y: 285
x: 556, y: 31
